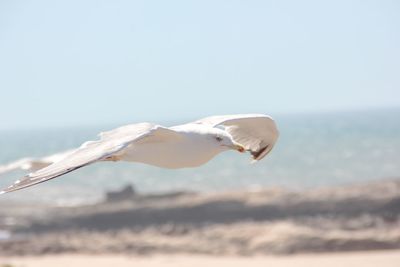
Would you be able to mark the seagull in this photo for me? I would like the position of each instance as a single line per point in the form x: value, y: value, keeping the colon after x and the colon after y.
x: 33, y: 164
x: 182, y: 146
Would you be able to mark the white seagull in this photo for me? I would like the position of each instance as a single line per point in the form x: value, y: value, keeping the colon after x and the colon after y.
x: 182, y: 146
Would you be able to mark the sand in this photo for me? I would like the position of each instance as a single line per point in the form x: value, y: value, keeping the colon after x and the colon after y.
x: 262, y: 222
x: 354, y: 259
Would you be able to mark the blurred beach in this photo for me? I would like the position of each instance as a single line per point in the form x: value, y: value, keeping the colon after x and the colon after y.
x: 254, y: 227
x: 327, y: 195
x: 313, y: 150
x: 331, y: 185
x: 348, y: 259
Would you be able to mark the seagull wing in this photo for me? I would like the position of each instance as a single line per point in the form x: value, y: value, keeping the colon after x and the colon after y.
x: 57, y: 157
x: 256, y: 132
x: 110, y: 144
x: 33, y: 164
x: 23, y: 164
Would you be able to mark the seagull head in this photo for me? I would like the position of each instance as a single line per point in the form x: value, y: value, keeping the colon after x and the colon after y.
x: 225, y: 141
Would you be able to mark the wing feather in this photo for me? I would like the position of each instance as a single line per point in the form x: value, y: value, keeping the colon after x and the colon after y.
x: 15, y: 165
x: 110, y: 143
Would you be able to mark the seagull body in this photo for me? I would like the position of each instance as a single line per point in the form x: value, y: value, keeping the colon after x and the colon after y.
x: 192, y: 145
x: 183, y: 146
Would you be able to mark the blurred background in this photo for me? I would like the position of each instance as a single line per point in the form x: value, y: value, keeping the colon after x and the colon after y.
x: 326, y: 71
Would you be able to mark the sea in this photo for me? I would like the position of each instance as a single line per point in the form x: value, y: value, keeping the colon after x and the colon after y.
x: 313, y: 150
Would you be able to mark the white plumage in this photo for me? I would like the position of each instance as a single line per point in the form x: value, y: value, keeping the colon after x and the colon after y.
x: 182, y: 146
x: 33, y: 164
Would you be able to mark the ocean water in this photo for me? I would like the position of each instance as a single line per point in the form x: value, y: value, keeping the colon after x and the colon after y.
x: 313, y: 150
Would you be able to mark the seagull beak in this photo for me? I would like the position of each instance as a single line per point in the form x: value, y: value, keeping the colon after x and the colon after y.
x: 239, y: 148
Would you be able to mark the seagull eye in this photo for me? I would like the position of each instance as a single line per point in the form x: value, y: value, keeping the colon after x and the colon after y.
x: 218, y: 138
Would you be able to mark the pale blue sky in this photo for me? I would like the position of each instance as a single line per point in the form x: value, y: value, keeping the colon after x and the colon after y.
x: 66, y: 63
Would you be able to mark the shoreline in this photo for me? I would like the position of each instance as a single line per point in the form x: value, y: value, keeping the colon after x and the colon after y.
x: 388, y: 258
x: 267, y: 221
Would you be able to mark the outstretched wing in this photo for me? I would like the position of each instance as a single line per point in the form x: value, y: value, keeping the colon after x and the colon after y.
x: 256, y: 132
x: 109, y: 144
x: 23, y: 164
x: 33, y: 164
